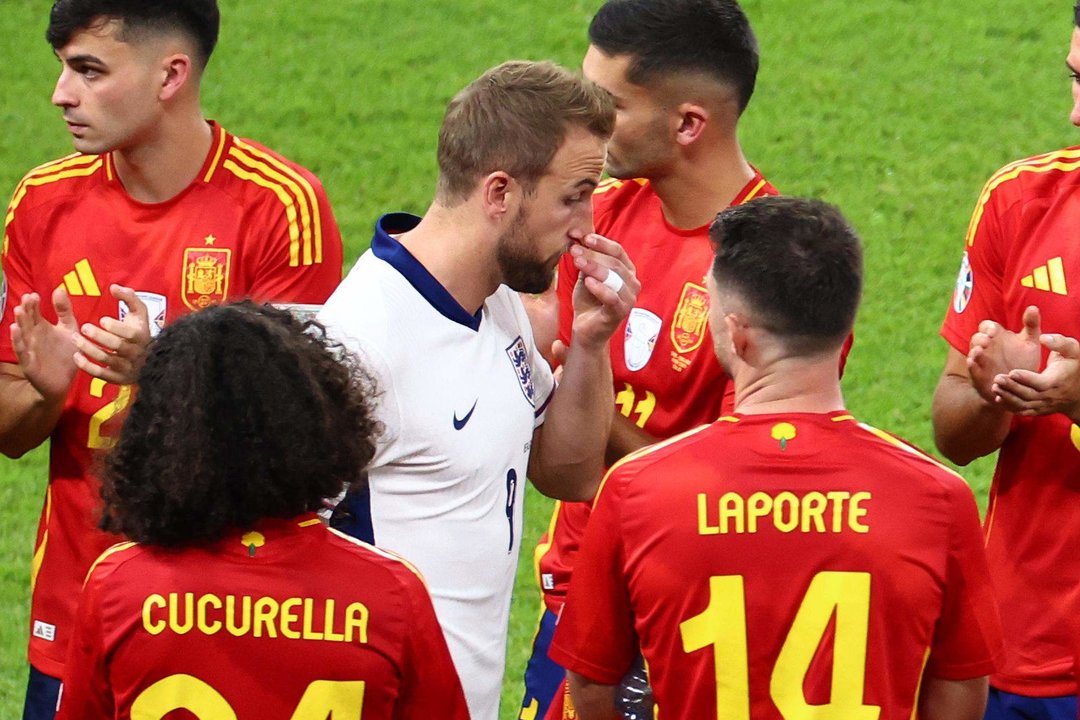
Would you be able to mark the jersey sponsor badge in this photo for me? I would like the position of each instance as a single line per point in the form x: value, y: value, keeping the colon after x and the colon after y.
x: 642, y: 331
x: 965, y: 285
x: 156, y: 306
x: 519, y: 358
x: 205, y: 278
x: 691, y: 316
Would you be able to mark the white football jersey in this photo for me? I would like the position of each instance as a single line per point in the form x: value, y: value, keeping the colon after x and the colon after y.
x: 459, y: 398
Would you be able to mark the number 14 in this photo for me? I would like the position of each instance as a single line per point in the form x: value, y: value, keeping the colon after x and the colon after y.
x: 723, y: 626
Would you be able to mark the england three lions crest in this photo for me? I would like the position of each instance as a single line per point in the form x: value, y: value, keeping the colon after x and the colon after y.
x: 519, y: 358
x: 205, y: 280
x: 642, y: 331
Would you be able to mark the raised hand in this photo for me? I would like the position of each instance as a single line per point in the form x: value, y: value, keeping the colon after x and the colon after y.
x: 995, y: 351
x: 45, y: 350
x: 114, y: 350
x: 606, y: 290
x: 1054, y: 390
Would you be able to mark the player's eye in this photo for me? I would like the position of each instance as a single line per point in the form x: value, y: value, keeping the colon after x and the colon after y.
x: 1075, y: 77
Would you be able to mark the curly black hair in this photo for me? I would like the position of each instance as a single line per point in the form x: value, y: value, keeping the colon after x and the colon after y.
x: 243, y: 411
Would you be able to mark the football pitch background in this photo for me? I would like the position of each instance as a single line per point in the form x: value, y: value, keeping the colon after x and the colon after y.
x: 896, y: 110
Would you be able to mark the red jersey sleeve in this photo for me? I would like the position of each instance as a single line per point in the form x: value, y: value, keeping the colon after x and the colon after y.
x: 979, y: 292
x: 430, y: 686
x: 300, y: 260
x: 595, y: 636
x: 967, y: 638
x: 15, y: 280
x: 86, y: 679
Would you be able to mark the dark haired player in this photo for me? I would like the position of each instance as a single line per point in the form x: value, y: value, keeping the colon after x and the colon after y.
x: 681, y: 72
x: 235, y: 600
x: 787, y: 560
x: 1012, y: 383
x: 159, y: 213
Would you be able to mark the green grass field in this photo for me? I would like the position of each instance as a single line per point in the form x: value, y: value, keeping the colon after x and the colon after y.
x: 897, y: 111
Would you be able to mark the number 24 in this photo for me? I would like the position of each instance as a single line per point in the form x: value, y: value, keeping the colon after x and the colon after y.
x: 339, y: 700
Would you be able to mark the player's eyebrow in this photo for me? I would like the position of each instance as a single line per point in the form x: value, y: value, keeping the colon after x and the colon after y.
x: 586, y: 183
x: 80, y: 59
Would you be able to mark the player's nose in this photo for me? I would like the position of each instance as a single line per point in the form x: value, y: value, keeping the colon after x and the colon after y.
x: 62, y: 95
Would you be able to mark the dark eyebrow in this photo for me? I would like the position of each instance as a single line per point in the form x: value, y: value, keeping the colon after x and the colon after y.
x: 84, y: 58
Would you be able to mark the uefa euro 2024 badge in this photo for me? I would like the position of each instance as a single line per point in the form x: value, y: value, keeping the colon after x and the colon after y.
x: 642, y: 331
x: 156, y: 306
x: 965, y: 285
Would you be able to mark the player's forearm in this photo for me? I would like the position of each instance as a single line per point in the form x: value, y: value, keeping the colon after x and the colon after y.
x: 953, y: 699
x: 26, y: 418
x: 966, y: 426
x: 592, y: 701
x: 567, y: 459
x: 625, y: 438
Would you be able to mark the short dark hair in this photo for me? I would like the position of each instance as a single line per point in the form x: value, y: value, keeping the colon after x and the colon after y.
x: 514, y: 118
x: 242, y: 412
x: 669, y: 37
x: 796, y: 263
x: 1076, y: 14
x: 198, y: 19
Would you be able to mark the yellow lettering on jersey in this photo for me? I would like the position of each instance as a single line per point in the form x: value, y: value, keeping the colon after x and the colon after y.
x: 293, y: 618
x: 154, y: 628
x: 266, y: 610
x: 815, y: 512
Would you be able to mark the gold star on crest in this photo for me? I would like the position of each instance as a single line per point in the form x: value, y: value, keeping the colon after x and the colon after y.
x: 210, y: 239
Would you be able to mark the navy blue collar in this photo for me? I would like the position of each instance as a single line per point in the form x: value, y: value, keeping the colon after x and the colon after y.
x: 390, y: 251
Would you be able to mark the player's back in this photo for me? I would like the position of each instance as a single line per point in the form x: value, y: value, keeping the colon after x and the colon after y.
x: 780, y: 562
x: 291, y: 620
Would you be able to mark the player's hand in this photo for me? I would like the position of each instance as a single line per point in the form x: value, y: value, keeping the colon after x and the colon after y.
x: 600, y: 306
x: 558, y: 359
x: 114, y: 350
x: 45, y: 351
x: 995, y: 351
x: 1054, y: 390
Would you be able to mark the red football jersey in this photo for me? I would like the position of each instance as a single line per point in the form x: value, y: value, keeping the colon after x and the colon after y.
x: 1021, y: 250
x: 290, y: 620
x: 822, y: 563
x: 252, y: 224
x: 667, y: 377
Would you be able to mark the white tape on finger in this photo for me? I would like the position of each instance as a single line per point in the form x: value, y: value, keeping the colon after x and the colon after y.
x: 614, y: 281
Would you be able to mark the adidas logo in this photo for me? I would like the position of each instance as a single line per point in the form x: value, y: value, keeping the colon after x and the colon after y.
x: 1050, y: 276
x: 81, y: 281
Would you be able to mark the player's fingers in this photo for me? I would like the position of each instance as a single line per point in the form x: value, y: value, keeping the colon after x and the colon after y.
x: 135, y: 304
x: 1006, y: 385
x: 94, y: 352
x: 1063, y: 345
x: 610, y: 248
x: 1032, y: 322
x: 98, y: 336
x: 127, y: 331
x: 65, y: 315
x: 99, y: 371
x: 989, y: 328
x: 558, y: 351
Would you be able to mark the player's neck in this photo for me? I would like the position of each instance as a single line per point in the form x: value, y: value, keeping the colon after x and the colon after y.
x: 455, y: 252
x: 161, y: 167
x: 702, y: 184
x: 789, y: 385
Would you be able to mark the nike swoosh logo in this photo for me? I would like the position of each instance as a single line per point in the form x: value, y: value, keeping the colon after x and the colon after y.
x: 459, y: 424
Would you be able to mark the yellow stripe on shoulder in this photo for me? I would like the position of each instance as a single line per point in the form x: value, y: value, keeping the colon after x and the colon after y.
x: 606, y: 185
x: 119, y: 547
x: 79, y: 166
x: 897, y: 442
x: 753, y: 193
x: 310, y: 214
x: 381, y: 553
x: 1064, y: 160
x: 643, y: 452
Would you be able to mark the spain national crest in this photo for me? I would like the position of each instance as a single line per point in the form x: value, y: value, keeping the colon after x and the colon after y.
x: 690, y: 319
x: 519, y: 358
x: 206, y: 276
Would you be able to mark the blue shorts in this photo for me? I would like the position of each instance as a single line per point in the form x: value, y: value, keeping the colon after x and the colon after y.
x: 42, y: 696
x: 542, y: 675
x: 1007, y: 706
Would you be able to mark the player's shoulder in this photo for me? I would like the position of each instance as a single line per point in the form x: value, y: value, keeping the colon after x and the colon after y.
x: 373, y: 285
x: 889, y: 451
x: 655, y: 458
x: 1035, y: 177
x: 255, y: 152
x: 614, y: 195
x: 115, y: 559
x: 370, y: 560
x: 65, y: 177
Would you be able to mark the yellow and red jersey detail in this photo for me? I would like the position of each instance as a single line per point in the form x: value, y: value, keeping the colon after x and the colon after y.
x: 1021, y: 250
x: 250, y: 225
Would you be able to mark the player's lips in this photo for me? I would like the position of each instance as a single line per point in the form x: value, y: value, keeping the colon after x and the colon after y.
x: 75, y: 128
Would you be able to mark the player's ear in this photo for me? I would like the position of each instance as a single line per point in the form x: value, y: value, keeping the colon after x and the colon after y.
x: 499, y: 192
x: 693, y: 117
x: 738, y: 332
x: 176, y: 73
